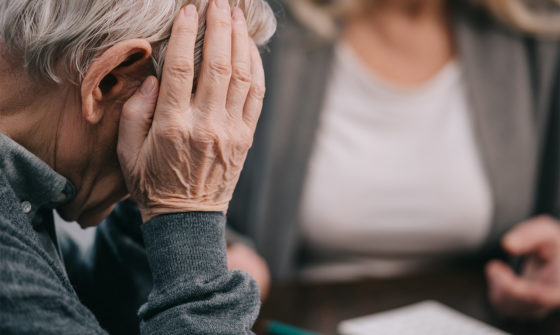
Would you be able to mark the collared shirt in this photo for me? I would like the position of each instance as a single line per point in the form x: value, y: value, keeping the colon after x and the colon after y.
x: 38, y: 188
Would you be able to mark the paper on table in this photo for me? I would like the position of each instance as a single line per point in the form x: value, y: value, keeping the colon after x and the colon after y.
x: 424, y: 318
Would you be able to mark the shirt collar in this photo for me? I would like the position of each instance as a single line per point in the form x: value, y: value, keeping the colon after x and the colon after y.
x: 35, y: 184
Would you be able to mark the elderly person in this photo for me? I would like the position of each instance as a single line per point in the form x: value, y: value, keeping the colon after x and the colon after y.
x: 400, y: 133
x: 81, y: 125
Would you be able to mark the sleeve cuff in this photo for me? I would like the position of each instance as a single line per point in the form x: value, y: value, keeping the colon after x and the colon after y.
x: 185, y: 246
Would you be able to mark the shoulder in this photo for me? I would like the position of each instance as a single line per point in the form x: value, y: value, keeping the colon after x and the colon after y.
x: 22, y: 259
x: 491, y: 41
x: 484, y: 27
x: 34, y: 297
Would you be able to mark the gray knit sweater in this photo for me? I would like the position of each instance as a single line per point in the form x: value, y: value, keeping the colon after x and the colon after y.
x: 193, y: 292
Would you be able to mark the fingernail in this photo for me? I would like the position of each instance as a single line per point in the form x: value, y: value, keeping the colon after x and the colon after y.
x: 148, y: 86
x: 222, y: 4
x: 238, y: 15
x: 190, y: 11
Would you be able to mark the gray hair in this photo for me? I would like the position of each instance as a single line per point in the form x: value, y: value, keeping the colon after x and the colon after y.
x: 59, y: 39
x: 535, y: 17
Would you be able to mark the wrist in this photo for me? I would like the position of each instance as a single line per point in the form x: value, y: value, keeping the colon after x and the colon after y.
x: 149, y: 213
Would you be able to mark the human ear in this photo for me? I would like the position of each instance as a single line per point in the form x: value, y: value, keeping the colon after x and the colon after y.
x: 114, y: 76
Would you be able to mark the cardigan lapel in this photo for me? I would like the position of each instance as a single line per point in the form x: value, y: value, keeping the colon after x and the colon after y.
x: 504, y: 117
x: 296, y: 92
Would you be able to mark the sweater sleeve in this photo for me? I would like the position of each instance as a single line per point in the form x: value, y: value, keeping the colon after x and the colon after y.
x: 35, y: 296
x: 194, y: 293
x: 193, y: 290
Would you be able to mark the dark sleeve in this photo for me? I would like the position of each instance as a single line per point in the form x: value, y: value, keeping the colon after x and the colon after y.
x: 194, y: 292
x: 112, y: 276
x: 35, y: 296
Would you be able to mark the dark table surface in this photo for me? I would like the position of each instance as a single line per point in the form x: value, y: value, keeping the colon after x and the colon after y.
x: 320, y: 307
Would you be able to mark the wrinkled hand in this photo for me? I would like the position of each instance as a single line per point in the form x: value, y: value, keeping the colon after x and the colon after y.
x: 536, y: 292
x: 186, y: 152
x: 241, y: 257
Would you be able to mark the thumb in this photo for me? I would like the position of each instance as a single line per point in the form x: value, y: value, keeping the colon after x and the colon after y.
x: 534, y: 236
x: 136, y: 117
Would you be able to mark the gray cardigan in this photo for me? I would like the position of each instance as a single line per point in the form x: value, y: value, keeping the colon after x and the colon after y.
x: 513, y: 83
x: 193, y: 292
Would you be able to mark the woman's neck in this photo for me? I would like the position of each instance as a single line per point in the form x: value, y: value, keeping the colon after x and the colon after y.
x: 405, y: 41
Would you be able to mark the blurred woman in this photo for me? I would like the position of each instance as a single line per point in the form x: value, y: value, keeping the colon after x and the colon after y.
x: 400, y: 133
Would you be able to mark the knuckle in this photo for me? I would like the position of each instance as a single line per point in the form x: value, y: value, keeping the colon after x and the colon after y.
x: 223, y: 23
x: 258, y: 91
x: 205, y: 134
x: 242, y: 75
x: 171, y: 130
x: 182, y: 69
x: 243, y: 140
x: 220, y: 68
x: 238, y: 139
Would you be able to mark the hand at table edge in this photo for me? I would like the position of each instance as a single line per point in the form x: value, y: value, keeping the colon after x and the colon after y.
x: 535, y: 292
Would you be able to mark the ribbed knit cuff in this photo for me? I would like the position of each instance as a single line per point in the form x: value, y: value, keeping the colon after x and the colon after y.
x: 185, y: 246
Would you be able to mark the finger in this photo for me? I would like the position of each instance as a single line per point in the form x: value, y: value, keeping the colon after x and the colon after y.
x: 216, y: 70
x: 500, y: 298
x: 509, y: 289
x: 136, y: 117
x: 178, y: 70
x: 241, y: 66
x: 538, y: 235
x: 254, y: 103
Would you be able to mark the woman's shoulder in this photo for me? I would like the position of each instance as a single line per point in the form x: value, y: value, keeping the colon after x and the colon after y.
x: 483, y: 33
x: 480, y: 20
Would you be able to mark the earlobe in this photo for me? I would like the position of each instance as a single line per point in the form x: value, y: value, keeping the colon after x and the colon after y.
x: 111, y: 75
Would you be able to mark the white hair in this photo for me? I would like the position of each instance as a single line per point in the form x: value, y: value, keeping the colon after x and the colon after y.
x: 58, y: 39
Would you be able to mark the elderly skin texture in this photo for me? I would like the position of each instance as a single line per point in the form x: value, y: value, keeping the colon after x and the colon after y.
x: 189, y: 158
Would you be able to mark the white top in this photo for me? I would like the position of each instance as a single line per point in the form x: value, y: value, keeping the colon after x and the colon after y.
x: 395, y: 178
